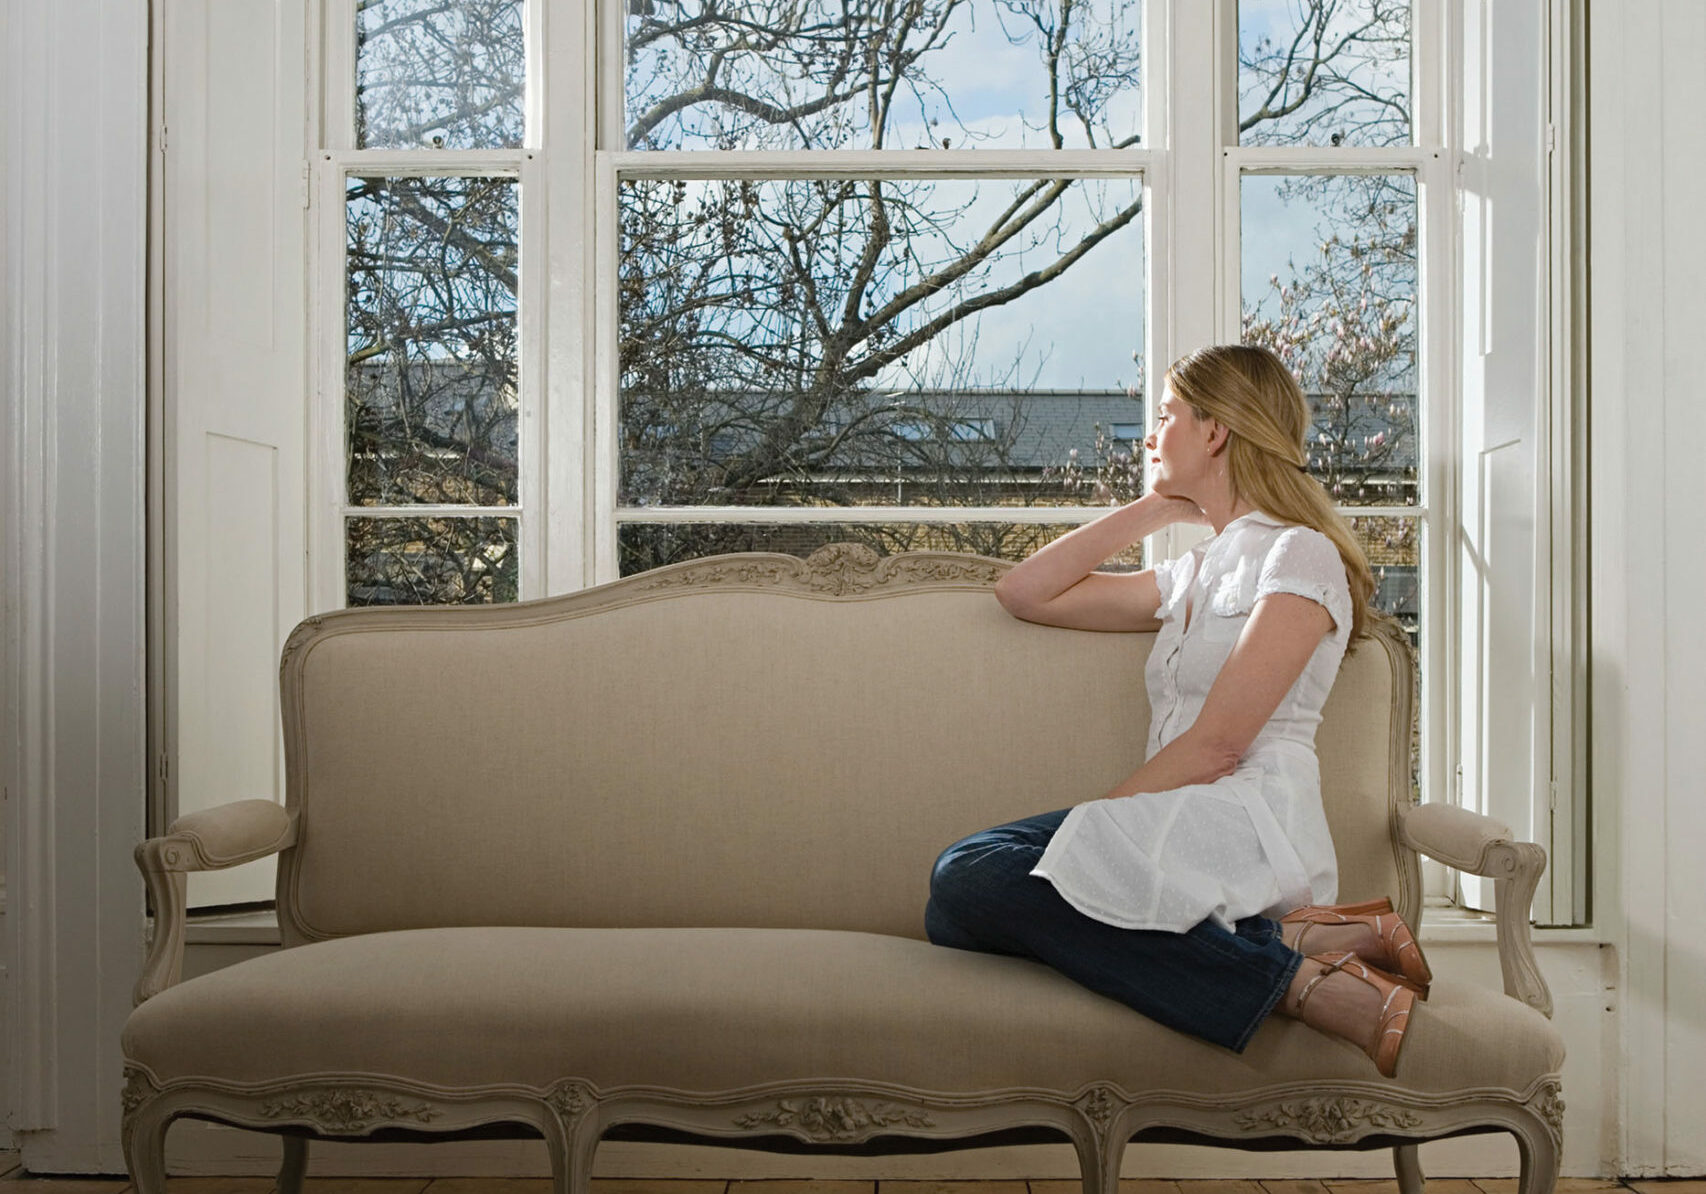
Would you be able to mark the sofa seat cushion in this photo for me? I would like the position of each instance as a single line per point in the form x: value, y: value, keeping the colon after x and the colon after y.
x: 705, y: 1010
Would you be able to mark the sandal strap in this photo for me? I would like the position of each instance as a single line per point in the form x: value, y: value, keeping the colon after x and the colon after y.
x: 1394, y: 1015
x: 1326, y: 969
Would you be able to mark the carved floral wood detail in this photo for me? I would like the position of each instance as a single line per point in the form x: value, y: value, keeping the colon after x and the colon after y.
x: 741, y: 572
x: 1099, y: 1106
x: 347, y: 1109
x: 1327, y: 1120
x: 137, y: 1090
x: 835, y: 570
x: 304, y: 630
x: 827, y: 1119
x: 570, y: 1100
x: 1548, y: 1102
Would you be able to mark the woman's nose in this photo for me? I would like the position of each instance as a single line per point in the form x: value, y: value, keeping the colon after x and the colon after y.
x: 1149, y: 441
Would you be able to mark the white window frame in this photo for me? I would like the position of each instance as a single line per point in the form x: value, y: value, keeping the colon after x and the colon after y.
x: 1190, y: 166
x: 332, y: 164
x: 1429, y: 159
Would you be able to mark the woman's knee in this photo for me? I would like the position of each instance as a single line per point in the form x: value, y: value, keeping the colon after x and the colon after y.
x: 986, y: 869
x: 949, y: 874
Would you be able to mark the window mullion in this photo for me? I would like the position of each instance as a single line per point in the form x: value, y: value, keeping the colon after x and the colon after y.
x: 884, y: 163
x: 531, y: 323
x: 569, y: 102
x: 338, y: 94
x: 327, y: 487
x: 602, y: 458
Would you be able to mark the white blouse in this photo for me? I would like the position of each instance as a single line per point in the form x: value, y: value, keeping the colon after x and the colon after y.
x: 1252, y: 842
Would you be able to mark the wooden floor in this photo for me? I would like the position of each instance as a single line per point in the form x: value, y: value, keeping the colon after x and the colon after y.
x: 14, y: 1181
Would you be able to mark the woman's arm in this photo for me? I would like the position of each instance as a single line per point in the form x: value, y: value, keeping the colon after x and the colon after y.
x: 1270, y: 654
x: 1058, y: 585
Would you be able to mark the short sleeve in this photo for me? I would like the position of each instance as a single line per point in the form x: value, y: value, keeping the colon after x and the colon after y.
x: 1164, y: 570
x: 1172, y: 578
x: 1305, y: 562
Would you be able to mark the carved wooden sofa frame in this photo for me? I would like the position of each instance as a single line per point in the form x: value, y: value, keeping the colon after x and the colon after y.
x: 756, y: 596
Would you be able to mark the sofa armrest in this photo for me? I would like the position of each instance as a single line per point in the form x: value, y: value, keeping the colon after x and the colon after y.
x: 210, y: 840
x: 1482, y: 846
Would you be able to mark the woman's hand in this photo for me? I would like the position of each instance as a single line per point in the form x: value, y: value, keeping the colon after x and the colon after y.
x: 1272, y: 650
x: 1179, y: 509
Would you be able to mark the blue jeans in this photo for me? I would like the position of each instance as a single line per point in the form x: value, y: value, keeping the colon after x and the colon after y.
x: 1208, y: 982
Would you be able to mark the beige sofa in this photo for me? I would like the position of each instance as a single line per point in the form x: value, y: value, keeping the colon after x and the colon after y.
x: 651, y: 860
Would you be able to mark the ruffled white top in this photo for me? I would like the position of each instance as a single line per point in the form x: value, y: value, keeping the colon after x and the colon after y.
x: 1252, y: 842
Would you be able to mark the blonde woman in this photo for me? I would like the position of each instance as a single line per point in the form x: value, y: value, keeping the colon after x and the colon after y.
x: 1198, y: 890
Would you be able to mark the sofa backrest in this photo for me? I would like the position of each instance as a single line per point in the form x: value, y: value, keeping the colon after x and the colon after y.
x: 748, y: 740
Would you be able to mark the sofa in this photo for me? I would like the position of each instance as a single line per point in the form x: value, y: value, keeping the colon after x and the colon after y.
x: 649, y: 861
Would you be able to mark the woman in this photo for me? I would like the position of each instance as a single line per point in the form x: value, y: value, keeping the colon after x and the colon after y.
x: 1163, y: 893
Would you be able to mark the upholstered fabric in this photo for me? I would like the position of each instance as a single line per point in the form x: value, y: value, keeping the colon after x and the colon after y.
x: 711, y: 757
x: 233, y: 833
x: 658, y: 852
x: 705, y: 1010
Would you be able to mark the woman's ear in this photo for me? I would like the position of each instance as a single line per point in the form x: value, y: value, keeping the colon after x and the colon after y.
x: 1218, y: 434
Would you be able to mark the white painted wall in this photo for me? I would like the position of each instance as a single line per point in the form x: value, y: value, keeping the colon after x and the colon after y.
x: 1648, y: 295
x: 233, y: 367
x: 74, y: 80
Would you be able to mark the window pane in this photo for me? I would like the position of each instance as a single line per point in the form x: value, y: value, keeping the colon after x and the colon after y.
x: 431, y: 381
x: 439, y: 74
x: 431, y: 561
x: 856, y: 342
x: 1394, y: 551
x: 870, y: 74
x: 1329, y: 283
x: 642, y: 546
x: 1324, y: 72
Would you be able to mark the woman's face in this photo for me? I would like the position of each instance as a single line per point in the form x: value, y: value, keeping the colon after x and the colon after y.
x: 1178, y: 448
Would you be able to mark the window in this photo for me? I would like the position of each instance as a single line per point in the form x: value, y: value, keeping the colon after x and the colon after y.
x: 857, y: 265
x: 435, y: 493
x: 850, y: 275
x: 1331, y: 162
x: 597, y: 288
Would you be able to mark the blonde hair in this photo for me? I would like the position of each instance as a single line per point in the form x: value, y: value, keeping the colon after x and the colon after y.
x: 1250, y: 392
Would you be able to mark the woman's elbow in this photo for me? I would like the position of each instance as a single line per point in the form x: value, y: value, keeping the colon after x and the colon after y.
x: 1014, y: 599
x: 1226, y: 762
x: 1219, y: 757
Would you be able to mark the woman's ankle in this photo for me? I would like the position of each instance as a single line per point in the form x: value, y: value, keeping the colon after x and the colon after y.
x: 1332, y: 1002
x: 1359, y: 939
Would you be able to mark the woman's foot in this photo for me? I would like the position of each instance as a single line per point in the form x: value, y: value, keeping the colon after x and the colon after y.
x: 1339, y: 994
x: 1372, y: 931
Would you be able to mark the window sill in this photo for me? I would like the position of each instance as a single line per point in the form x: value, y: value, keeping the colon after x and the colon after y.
x: 1450, y: 925
x: 257, y: 926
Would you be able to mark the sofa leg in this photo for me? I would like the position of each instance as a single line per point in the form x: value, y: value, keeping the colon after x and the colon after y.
x: 294, y: 1167
x: 144, y: 1141
x: 1407, y: 1164
x: 1538, y: 1152
x: 571, y: 1147
x: 1099, y: 1164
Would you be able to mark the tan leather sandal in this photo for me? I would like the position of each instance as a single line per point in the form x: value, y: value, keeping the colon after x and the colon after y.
x: 1397, y: 1002
x: 1401, y: 955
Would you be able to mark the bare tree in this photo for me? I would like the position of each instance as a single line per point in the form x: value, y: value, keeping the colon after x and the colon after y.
x: 1330, y: 72
x: 430, y: 386
x: 777, y: 336
x: 798, y: 341
x: 1344, y: 317
x: 439, y: 73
